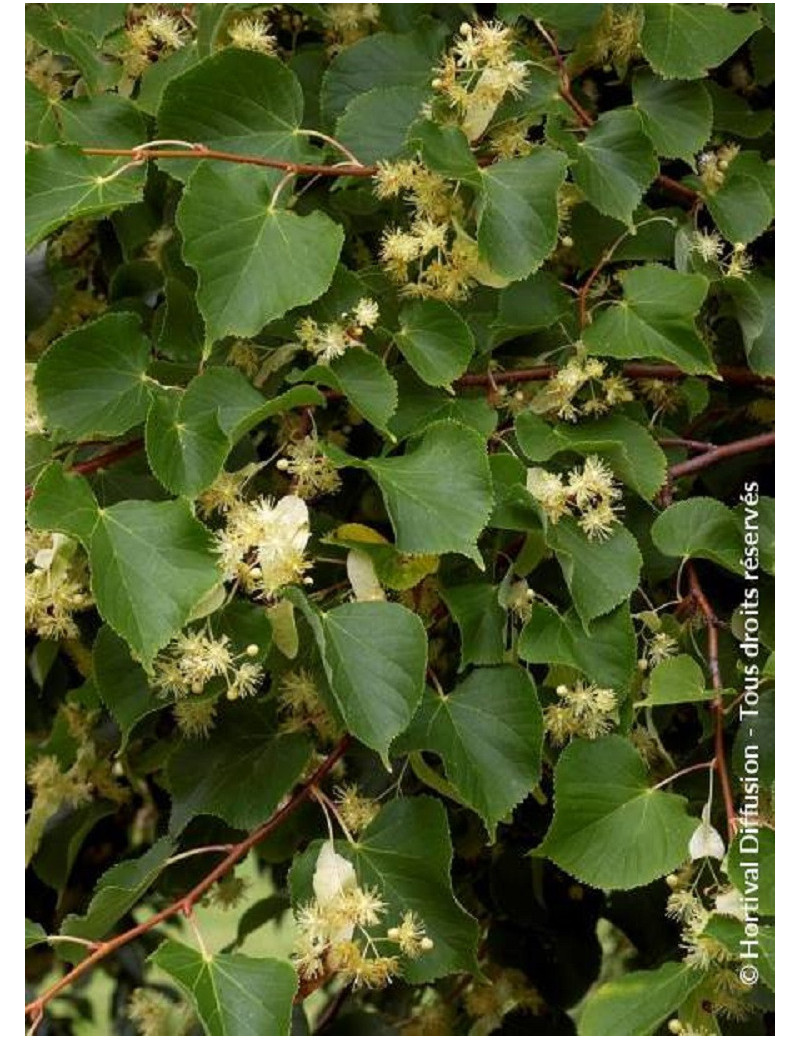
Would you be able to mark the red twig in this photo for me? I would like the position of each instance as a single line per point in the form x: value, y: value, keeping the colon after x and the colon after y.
x: 681, y: 191
x: 97, y: 462
x: 724, y: 451
x: 186, y: 902
x: 685, y: 442
x: 717, y: 706
x: 201, y: 152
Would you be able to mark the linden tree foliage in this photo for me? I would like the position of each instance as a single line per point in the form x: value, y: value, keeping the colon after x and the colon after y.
x: 399, y: 519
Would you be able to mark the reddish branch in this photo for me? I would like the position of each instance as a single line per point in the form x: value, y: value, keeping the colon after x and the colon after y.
x: 685, y: 442
x: 724, y: 451
x: 185, y: 904
x: 199, y: 151
x: 98, y: 462
x: 717, y: 706
x: 686, y: 195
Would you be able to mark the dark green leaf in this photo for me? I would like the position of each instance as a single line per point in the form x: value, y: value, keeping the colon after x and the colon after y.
x: 254, y: 262
x: 93, y: 382
x: 488, y: 733
x: 611, y: 829
x: 656, y: 319
x: 435, y: 340
x: 518, y: 218
x: 233, y: 995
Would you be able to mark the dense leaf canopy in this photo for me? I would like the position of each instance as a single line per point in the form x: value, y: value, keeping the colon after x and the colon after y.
x: 400, y: 531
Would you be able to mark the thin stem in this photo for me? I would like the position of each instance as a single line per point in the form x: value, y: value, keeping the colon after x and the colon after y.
x: 199, y: 151
x: 717, y: 705
x: 184, y: 904
x: 686, y: 195
x: 724, y: 451
x: 286, y: 179
x: 197, y: 852
x: 88, y: 943
x: 332, y: 142
x: 684, y: 442
x: 100, y: 461
x: 684, y: 772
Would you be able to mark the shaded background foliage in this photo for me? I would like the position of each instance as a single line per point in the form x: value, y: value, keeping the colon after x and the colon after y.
x: 408, y: 287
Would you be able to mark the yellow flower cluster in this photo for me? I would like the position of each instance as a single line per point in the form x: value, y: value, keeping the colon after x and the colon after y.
x: 226, y: 492
x: 301, y: 706
x: 330, y: 341
x: 332, y: 929
x: 713, y: 166
x: 156, y: 32
x: 312, y: 472
x: 56, y: 584
x: 193, y: 659
x: 581, y: 389
x: 476, y: 74
x: 703, y: 952
x: 346, y: 23
x: 489, y: 1003
x: 583, y: 710
x: 662, y: 395
x: 590, y: 494
x: 658, y: 648
x: 263, y: 542
x: 252, y: 34
x: 33, y: 420
x: 356, y: 811
x: 707, y: 244
x: 153, y: 1014
x: 616, y: 39
x: 432, y: 257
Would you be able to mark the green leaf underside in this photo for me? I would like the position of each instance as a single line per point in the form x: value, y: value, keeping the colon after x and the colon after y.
x: 406, y: 854
x: 744, y: 207
x: 239, y: 774
x: 655, y: 319
x: 374, y: 655
x: 488, y: 733
x: 683, y: 41
x: 439, y: 494
x: 677, y: 680
x: 372, y: 391
x: 151, y: 565
x: 677, y: 117
x: 235, y: 101
x: 599, y: 574
x: 610, y: 829
x: 119, y: 889
x: 518, y: 220
x: 700, y: 527
x: 615, y: 164
x: 481, y: 622
x: 62, y: 184
x: 254, y: 262
x: 435, y: 340
x: 637, y: 1004
x: 233, y: 995
x: 376, y: 123
x: 189, y: 434
x: 92, y: 382
x: 122, y: 682
x: 606, y: 653
x: 63, y: 501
